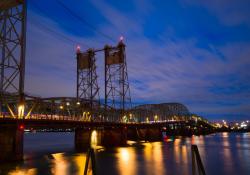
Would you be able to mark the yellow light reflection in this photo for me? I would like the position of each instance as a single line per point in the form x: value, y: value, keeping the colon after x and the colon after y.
x: 227, y: 152
x: 177, y: 155
x: 126, y: 161
x: 93, y: 140
x: 154, y: 157
x: 124, y: 155
x: 60, y: 164
x: 32, y: 171
x: 184, y: 153
x: 80, y: 160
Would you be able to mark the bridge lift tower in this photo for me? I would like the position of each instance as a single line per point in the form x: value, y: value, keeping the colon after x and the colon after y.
x: 12, y: 46
x: 117, y: 92
x: 87, y: 86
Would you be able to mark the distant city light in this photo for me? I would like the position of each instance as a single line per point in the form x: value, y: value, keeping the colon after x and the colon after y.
x: 67, y: 103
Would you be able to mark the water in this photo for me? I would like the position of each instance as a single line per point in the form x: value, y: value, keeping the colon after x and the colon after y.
x: 53, y: 154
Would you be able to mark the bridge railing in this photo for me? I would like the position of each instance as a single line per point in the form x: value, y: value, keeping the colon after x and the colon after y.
x: 90, y: 165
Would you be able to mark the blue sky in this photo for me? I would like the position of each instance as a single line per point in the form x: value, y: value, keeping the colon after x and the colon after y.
x: 188, y: 51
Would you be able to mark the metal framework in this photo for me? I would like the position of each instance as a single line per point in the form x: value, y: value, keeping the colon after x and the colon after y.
x: 117, y: 92
x: 87, y: 86
x: 12, y: 44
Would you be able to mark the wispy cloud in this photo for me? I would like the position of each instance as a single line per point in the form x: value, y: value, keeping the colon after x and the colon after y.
x: 230, y: 12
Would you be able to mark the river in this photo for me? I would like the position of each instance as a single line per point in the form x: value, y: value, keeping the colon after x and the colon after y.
x: 53, y: 154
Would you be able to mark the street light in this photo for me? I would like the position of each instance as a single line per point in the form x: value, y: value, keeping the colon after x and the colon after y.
x: 20, y: 111
x: 156, y: 117
x: 130, y: 116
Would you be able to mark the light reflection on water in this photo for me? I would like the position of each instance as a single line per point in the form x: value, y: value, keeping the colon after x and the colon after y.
x: 59, y: 164
x: 153, y: 156
x: 221, y: 154
x: 31, y: 171
x: 126, y: 159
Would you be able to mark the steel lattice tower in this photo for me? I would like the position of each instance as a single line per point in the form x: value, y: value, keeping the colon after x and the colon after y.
x: 87, y: 86
x: 12, y: 43
x: 117, y: 92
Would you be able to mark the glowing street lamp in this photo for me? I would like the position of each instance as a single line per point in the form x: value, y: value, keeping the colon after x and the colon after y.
x: 67, y: 103
x: 61, y: 106
x: 130, y: 116
x: 125, y: 118
x: 78, y: 103
x: 156, y: 117
x: 20, y: 111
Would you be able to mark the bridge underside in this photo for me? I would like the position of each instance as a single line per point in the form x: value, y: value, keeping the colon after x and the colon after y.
x: 107, y: 134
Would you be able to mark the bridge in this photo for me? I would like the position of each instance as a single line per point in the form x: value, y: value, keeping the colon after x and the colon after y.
x: 109, y: 134
x: 115, y: 119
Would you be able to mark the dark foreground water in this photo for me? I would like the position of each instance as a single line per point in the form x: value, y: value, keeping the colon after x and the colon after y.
x: 53, y: 153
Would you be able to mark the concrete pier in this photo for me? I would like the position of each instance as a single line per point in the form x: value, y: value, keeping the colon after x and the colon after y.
x: 11, y: 142
x: 114, y: 137
x: 145, y: 134
x: 82, y: 138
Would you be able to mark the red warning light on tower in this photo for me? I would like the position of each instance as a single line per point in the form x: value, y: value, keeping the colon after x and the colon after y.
x: 121, y: 38
x: 78, y: 49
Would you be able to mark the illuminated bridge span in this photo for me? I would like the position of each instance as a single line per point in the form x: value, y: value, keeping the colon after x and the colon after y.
x: 72, y: 108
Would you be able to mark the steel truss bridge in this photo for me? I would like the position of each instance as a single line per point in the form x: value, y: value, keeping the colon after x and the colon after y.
x: 115, y: 119
x: 86, y: 106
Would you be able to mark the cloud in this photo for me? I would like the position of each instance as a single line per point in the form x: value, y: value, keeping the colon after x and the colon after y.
x: 209, y: 80
x: 229, y: 12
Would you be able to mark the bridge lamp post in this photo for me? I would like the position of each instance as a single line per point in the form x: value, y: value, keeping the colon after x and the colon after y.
x: 155, y: 118
x: 61, y: 107
x: 78, y: 103
x: 20, y: 110
x: 83, y: 115
x: 124, y: 119
x: 88, y: 116
x: 130, y: 116
x: 67, y: 104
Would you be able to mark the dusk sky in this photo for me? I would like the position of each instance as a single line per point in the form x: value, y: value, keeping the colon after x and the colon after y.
x: 187, y: 51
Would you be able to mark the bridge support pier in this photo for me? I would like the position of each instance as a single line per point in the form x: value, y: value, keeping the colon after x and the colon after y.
x: 114, y: 137
x: 82, y: 138
x: 11, y: 143
x: 153, y: 134
x: 146, y: 134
